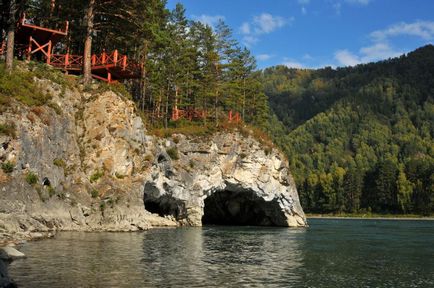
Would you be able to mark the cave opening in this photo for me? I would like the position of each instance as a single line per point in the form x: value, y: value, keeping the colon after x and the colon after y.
x: 242, y: 208
x: 165, y: 206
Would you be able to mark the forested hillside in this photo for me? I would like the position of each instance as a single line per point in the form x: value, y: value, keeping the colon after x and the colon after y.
x: 359, y: 139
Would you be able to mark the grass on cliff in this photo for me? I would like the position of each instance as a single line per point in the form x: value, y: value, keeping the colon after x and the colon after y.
x: 191, y: 128
x: 20, y: 85
x: 8, y: 129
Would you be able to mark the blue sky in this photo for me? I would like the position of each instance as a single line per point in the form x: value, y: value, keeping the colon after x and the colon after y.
x: 318, y: 33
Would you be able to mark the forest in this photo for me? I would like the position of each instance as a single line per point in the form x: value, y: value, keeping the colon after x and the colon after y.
x: 187, y: 65
x: 359, y: 139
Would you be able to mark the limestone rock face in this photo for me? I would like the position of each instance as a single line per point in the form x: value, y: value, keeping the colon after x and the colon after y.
x: 91, y: 166
x: 225, y: 179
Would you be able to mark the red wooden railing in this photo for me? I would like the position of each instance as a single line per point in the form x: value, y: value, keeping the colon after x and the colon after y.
x: 67, y: 61
x: 188, y: 113
x: 195, y: 114
x: 104, y: 60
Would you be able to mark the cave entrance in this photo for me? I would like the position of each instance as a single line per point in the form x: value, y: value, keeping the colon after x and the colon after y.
x: 165, y: 206
x: 241, y: 208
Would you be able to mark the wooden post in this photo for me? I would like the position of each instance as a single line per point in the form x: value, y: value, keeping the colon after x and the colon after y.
x: 109, y: 77
x: 66, y: 60
x: 230, y: 115
x: 124, y: 62
x: 29, y: 49
x: 49, y: 53
x: 104, y: 57
x: 115, y: 56
x: 93, y: 59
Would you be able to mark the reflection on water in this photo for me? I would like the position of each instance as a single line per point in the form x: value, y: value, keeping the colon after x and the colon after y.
x: 331, y: 253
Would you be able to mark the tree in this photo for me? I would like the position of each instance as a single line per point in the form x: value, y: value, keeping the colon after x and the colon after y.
x: 353, y: 185
x: 404, y: 191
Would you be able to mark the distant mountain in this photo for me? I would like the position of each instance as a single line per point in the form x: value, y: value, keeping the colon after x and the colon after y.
x: 359, y: 138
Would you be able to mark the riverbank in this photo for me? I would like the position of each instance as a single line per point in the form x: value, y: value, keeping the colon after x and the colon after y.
x: 370, y: 216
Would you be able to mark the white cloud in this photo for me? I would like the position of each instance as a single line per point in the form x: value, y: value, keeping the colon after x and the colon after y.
x: 337, y: 6
x: 378, y: 51
x: 307, y: 56
x: 422, y: 29
x: 303, y: 10
x: 291, y: 63
x: 360, y: 2
x: 245, y: 28
x: 260, y: 25
x: 264, y: 57
x: 346, y: 58
x: 267, y: 23
x: 303, y: 2
x: 250, y: 40
x: 210, y: 20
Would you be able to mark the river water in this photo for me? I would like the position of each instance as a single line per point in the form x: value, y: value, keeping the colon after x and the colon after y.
x: 330, y: 253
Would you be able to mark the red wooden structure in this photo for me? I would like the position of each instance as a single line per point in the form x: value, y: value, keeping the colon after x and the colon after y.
x: 197, y: 114
x: 34, y: 41
x: 189, y: 113
x: 234, y: 117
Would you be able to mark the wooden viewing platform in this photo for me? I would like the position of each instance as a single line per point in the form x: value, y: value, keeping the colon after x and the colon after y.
x: 197, y: 114
x: 38, y: 42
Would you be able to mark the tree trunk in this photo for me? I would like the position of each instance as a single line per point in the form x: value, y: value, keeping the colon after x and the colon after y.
x: 244, y: 99
x: 11, y: 36
x: 143, y: 78
x: 215, y: 107
x: 166, y: 108
x: 87, y: 69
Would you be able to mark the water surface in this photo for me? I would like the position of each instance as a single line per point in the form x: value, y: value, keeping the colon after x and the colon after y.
x: 330, y: 253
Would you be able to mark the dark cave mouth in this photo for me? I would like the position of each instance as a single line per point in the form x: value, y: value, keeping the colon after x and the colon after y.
x: 243, y: 208
x: 165, y: 206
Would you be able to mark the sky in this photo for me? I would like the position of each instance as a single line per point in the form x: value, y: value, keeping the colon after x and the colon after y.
x: 319, y: 33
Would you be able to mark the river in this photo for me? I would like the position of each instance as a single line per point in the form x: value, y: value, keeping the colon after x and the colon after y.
x: 330, y: 253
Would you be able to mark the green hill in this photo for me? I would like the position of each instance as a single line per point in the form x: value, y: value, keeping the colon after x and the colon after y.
x: 360, y: 138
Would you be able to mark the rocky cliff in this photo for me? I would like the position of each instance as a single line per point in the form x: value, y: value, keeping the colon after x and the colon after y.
x: 85, y: 162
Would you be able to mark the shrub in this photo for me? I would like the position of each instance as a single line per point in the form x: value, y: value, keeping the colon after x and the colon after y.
x: 94, y: 193
x: 173, y: 153
x: 96, y: 176
x: 31, y: 178
x: 55, y: 107
x: 59, y: 163
x: 119, y: 176
x: 176, y: 139
x: 8, y: 129
x: 51, y: 191
x: 191, y: 163
x: 148, y: 158
x: 8, y: 167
